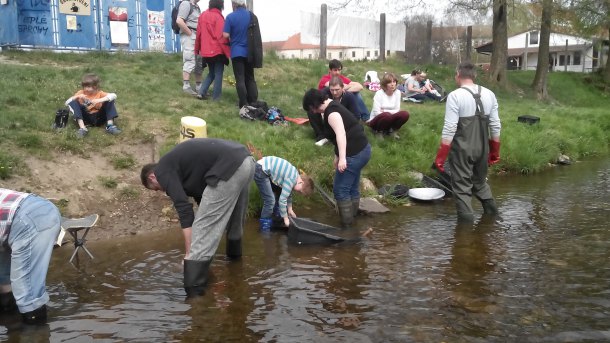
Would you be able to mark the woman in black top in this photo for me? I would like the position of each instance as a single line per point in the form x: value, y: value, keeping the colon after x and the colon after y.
x: 352, y: 150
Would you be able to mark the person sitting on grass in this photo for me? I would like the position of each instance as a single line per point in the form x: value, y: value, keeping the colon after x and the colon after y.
x: 276, y: 178
x: 386, y: 116
x: 335, y: 68
x: 91, y: 106
x: 415, y: 92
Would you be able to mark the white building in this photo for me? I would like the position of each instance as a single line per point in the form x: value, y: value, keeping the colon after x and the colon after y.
x: 293, y: 48
x: 566, y: 52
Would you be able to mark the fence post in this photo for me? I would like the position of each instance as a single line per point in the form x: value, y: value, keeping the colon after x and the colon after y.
x: 468, y: 42
x: 323, y: 29
x: 406, y: 40
x: 565, y: 59
x: 250, y: 4
x: 527, y: 42
x: 382, y: 37
x: 429, y: 42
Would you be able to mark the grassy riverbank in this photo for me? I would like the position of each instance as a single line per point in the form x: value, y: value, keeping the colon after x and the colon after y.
x: 150, y: 102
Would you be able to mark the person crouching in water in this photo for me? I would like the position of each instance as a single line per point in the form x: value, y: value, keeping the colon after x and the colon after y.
x: 275, y: 175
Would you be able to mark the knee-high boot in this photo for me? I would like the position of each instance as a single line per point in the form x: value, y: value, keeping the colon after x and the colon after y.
x: 234, y: 248
x: 36, y: 317
x: 489, y: 206
x: 195, y: 277
x: 345, y: 212
x: 355, y: 206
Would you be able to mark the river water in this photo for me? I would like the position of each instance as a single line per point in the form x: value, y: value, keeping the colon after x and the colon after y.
x: 539, y: 274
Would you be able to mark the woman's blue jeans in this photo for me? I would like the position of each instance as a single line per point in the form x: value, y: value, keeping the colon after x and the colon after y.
x: 347, y: 184
x: 215, y: 71
x: 33, y: 233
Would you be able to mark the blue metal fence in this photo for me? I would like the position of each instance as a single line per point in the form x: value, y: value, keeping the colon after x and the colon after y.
x: 135, y: 25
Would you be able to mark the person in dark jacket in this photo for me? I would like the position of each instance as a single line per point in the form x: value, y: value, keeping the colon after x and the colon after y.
x: 236, y: 29
x: 216, y: 173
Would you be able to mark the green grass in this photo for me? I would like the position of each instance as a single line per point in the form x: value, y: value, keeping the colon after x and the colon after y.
x: 150, y: 101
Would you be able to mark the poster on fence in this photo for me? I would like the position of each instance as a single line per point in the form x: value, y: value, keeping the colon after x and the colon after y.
x: 75, y: 7
x: 119, y: 33
x: 156, y: 30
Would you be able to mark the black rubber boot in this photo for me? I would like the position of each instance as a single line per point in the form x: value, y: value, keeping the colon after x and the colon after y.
x: 195, y: 277
x: 7, y: 303
x: 36, y: 317
x: 355, y: 207
x: 345, y: 213
x: 489, y: 206
x: 234, y: 248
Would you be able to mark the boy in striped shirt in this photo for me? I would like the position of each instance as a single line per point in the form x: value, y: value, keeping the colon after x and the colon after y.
x: 276, y: 178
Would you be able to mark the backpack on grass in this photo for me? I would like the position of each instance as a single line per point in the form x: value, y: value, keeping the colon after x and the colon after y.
x: 61, y: 118
x: 175, y: 26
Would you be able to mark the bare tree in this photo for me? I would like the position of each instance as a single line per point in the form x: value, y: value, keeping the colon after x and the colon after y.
x: 542, y: 69
x: 497, y: 72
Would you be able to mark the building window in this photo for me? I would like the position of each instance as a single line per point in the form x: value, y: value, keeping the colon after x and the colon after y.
x: 330, y: 56
x: 388, y: 53
x: 562, y: 60
x: 309, y: 56
x: 568, y: 60
x: 576, y: 58
x: 353, y: 54
x: 340, y: 54
x: 376, y: 53
x: 368, y: 54
x: 534, y: 37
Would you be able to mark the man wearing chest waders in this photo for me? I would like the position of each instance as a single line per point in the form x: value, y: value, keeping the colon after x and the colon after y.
x: 472, y: 133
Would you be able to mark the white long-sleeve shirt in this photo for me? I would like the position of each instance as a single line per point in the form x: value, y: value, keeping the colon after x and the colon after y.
x: 385, y: 103
x: 460, y: 103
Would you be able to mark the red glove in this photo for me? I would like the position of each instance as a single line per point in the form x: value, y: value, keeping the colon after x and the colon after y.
x: 441, y: 156
x: 494, y: 152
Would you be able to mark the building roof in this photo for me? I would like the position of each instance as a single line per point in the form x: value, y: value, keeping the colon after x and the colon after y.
x: 294, y: 43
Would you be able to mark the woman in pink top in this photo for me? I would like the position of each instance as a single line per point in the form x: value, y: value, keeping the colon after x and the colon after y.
x: 386, y: 116
x: 212, y: 47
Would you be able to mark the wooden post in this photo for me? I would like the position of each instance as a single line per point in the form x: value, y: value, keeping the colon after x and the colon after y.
x: 323, y: 30
x: 468, y: 42
x: 565, y: 59
x: 406, y: 40
x: 429, y: 42
x: 250, y: 4
x: 382, y: 37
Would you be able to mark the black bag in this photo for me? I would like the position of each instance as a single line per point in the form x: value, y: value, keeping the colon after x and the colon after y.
x: 175, y: 26
x: 61, y: 118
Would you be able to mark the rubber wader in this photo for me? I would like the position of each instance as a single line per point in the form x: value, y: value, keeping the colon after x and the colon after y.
x: 195, y: 277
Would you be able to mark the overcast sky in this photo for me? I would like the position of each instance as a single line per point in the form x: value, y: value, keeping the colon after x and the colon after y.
x: 280, y: 19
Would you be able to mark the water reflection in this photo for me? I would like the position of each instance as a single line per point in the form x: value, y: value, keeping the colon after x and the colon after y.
x: 538, y: 273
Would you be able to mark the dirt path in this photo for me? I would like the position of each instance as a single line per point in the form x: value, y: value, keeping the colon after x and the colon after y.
x: 74, y: 184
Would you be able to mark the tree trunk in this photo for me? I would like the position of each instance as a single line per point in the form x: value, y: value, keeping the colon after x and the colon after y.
x: 606, y: 71
x: 500, y: 43
x: 542, y: 68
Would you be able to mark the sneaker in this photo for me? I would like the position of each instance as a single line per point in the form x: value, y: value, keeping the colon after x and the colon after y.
x: 113, y: 130
x: 379, y: 135
x: 202, y: 97
x: 322, y: 142
x: 414, y: 100
x: 395, y: 135
x: 188, y: 90
x: 197, y: 88
x: 81, y: 133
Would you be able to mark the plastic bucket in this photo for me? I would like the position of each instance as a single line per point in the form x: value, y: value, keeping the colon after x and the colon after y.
x: 192, y: 127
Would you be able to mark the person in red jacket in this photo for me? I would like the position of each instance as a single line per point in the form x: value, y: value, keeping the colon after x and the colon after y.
x: 212, y: 47
x: 472, y: 133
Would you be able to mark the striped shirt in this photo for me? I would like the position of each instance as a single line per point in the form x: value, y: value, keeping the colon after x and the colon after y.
x: 282, y: 174
x: 9, y: 203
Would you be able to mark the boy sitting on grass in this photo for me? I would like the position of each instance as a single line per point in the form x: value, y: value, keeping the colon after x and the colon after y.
x: 91, y: 106
x: 275, y: 175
